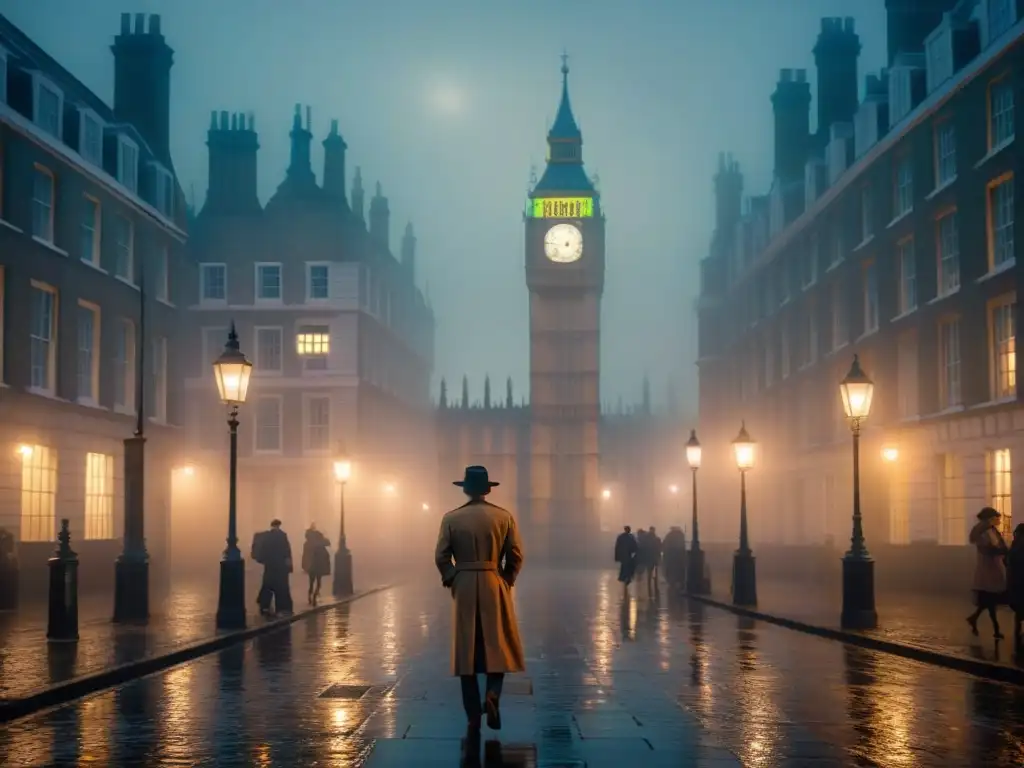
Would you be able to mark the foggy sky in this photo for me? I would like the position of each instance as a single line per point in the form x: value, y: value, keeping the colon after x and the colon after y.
x: 447, y: 104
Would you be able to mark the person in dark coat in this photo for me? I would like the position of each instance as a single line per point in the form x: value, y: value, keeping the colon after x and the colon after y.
x: 625, y: 556
x: 674, y: 548
x: 652, y: 559
x: 1015, y: 584
x: 316, y: 562
x: 275, y: 554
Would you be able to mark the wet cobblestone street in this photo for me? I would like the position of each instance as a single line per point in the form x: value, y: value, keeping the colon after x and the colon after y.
x: 610, y: 682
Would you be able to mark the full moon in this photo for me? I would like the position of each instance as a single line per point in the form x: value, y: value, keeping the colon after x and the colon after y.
x: 446, y: 98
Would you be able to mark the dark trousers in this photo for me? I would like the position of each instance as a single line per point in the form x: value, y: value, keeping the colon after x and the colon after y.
x: 471, y: 700
x: 275, y: 588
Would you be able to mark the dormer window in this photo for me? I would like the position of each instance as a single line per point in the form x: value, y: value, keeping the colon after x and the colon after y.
x: 939, y: 56
x: 90, y: 137
x: 48, y: 106
x: 128, y: 163
x: 164, y: 193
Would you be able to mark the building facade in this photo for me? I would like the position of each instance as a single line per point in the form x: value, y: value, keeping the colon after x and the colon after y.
x: 339, y: 334
x: 887, y: 234
x: 92, y: 230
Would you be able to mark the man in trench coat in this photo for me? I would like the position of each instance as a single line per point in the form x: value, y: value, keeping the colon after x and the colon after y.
x: 479, y: 556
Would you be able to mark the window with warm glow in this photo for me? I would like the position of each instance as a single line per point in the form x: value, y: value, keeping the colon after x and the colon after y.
x: 99, y: 496
x: 952, y: 526
x: 999, y: 217
x: 1003, y: 347
x: 949, y: 363
x: 1000, y: 487
x: 313, y: 344
x: 38, y: 493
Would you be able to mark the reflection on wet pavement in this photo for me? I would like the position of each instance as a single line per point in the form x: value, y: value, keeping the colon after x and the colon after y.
x: 610, y: 682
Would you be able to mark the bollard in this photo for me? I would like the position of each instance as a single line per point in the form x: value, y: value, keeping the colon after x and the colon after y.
x: 8, y: 572
x: 63, y: 623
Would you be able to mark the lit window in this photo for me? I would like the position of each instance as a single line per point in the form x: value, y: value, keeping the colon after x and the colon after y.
x: 124, y: 365
x: 1003, y: 335
x: 945, y: 153
x: 268, y: 424
x: 952, y: 527
x: 49, y: 108
x: 160, y: 379
x: 318, y: 284
x: 904, y: 187
x: 949, y: 363
x: 213, y: 282
x: 128, y: 163
x: 42, y: 204
x: 949, y: 254
x: 268, y: 282
x: 90, y: 138
x: 870, y: 297
x: 318, y: 423
x: 268, y: 350
x: 1000, y: 113
x: 90, y: 231
x: 124, y: 247
x: 162, y: 279
x: 42, y: 336
x: 1000, y: 488
x: 99, y: 496
x: 88, y: 362
x: 313, y: 344
x: 38, y: 493
x: 907, y: 276
x: 1000, y: 222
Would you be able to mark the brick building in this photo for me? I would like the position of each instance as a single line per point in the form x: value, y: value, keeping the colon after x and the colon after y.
x: 888, y: 233
x: 90, y: 209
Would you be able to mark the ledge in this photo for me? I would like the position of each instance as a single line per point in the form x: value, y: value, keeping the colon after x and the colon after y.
x: 1006, y: 266
x: 8, y: 225
x: 994, y: 151
x: 48, y: 245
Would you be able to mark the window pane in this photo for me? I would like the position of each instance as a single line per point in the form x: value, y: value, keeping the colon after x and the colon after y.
x: 268, y: 281
x: 124, y: 245
x: 90, y: 231
x: 268, y: 350
x: 86, y: 353
x: 42, y: 205
x: 1000, y: 203
x: 268, y: 424
x: 38, y: 493
x: 214, y: 282
x: 318, y: 281
x: 318, y: 423
x: 99, y: 496
x: 41, y: 337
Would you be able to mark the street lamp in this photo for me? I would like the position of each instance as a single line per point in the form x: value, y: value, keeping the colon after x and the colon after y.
x: 673, y: 489
x: 744, y: 576
x: 858, y: 566
x: 342, y: 585
x: 426, y: 507
x: 232, y: 371
x: 606, y: 494
x: 696, y: 584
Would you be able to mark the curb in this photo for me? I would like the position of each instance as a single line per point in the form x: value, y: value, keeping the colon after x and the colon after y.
x: 85, y: 685
x: 989, y: 670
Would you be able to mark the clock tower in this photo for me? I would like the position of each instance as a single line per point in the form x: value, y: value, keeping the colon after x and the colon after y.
x: 565, y: 277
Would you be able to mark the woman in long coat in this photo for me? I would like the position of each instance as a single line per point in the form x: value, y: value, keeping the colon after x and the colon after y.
x: 316, y: 561
x: 479, y: 555
x: 989, y: 568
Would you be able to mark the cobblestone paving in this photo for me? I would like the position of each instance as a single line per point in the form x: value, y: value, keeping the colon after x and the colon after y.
x: 610, y: 682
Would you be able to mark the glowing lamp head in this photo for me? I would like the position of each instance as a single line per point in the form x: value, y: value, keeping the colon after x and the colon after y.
x: 342, y: 470
x: 693, y: 450
x: 606, y: 494
x: 673, y: 489
x: 890, y: 453
x: 25, y: 451
x: 743, y: 449
x: 232, y: 371
x: 188, y: 470
x: 426, y: 507
x: 389, y: 489
x: 857, y: 390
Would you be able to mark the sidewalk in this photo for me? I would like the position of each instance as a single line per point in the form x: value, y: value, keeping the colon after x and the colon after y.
x: 29, y: 664
x: 930, y: 622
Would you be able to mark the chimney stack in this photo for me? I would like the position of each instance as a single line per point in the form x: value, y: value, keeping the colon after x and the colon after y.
x: 791, y: 103
x: 334, y: 165
x: 835, y: 55
x: 728, y: 193
x: 380, y: 219
x: 233, y: 147
x: 142, y: 81
x: 409, y: 251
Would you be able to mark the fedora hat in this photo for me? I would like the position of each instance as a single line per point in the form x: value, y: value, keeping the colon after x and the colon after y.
x: 476, y: 479
x: 988, y: 513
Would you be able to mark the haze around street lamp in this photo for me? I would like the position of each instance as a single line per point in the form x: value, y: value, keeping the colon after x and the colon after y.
x: 743, y: 449
x: 606, y: 494
x: 693, y: 451
x: 857, y: 391
x: 673, y: 488
x: 342, y: 470
x: 890, y: 453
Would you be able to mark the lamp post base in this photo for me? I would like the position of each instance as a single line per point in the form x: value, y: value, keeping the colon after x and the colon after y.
x: 858, y: 593
x: 696, y: 584
x: 131, y: 589
x: 342, y: 586
x: 744, y: 579
x: 231, y: 602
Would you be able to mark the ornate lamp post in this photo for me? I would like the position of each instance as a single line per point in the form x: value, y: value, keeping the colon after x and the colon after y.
x: 858, y: 566
x: 744, y: 575
x: 232, y: 371
x: 695, y: 580
x: 342, y: 556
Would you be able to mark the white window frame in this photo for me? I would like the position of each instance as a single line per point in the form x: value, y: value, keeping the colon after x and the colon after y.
x: 945, y: 153
x: 130, y: 267
x: 258, y: 288
x: 163, y: 274
x: 260, y: 366
x: 999, y: 220
x: 92, y: 375
x: 218, y: 334
x: 163, y: 192
x: 47, y: 387
x: 1002, y: 322
x: 871, y: 310
x: 950, y: 371
x: 203, y: 282
x: 95, y: 232
x: 309, y: 339
x: 124, y: 365
x: 1001, y: 112
x: 310, y: 265
x: 907, y: 276
x: 39, y: 83
x: 159, y: 353
x: 38, y: 205
x: 938, y: 51
x: 947, y: 244
x: 903, y: 191
x: 86, y: 116
x: 307, y: 426
x: 258, y: 427
x: 127, y: 177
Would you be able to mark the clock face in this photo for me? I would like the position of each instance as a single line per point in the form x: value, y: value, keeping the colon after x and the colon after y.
x: 563, y: 244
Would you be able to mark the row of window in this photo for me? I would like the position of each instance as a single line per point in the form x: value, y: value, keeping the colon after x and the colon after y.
x: 213, y: 282
x: 39, y: 483
x: 316, y: 423
x: 312, y: 344
x: 43, y: 343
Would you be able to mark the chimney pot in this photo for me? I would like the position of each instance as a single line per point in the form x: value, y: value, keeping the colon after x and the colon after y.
x: 154, y: 24
x: 126, y: 23
x: 334, y: 127
x: 234, y: 121
x: 848, y: 24
x: 252, y: 121
x: 801, y: 75
x: 140, y: 23
x: 224, y: 120
x: 309, y: 117
x: 785, y: 75
x: 213, y: 120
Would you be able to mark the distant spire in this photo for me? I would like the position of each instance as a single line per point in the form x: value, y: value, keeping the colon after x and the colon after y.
x: 487, y: 391
x: 565, y: 126
x: 564, y: 169
x: 358, y: 194
x: 465, y: 392
x: 508, y: 392
x: 443, y: 400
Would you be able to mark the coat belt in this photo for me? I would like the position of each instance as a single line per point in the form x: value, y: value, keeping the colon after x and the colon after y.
x: 477, y: 566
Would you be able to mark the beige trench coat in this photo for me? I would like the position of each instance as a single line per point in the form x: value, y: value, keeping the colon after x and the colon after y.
x: 483, y: 541
x: 990, y: 567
